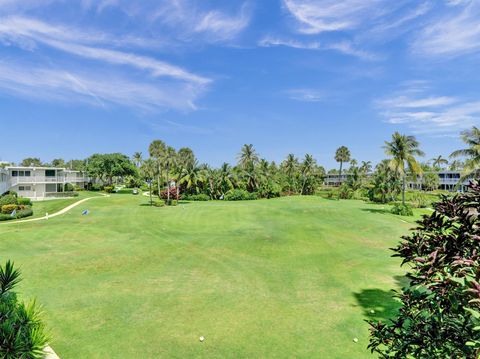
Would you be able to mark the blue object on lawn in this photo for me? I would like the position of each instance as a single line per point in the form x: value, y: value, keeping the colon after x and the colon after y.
x: 13, y: 213
x: 84, y: 213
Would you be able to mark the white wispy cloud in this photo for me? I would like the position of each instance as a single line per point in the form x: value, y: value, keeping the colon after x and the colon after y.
x: 193, y: 20
x: 429, y: 114
x: 453, y: 34
x: 93, y: 88
x: 158, y: 84
x: 344, y: 47
x: 316, y: 16
x: 306, y: 95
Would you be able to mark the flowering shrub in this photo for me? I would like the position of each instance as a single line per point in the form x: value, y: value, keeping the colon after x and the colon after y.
x: 440, y: 313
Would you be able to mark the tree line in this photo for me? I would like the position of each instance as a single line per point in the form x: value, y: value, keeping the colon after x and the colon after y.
x: 172, y: 171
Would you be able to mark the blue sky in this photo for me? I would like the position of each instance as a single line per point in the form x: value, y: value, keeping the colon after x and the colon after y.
x: 290, y: 76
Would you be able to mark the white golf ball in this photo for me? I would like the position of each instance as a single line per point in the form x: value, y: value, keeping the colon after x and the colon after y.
x: 202, y: 339
x: 355, y: 340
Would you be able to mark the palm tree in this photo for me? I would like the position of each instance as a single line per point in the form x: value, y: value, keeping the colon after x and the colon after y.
x: 137, y: 158
x: 290, y: 166
x: 170, y: 160
x: 438, y: 162
x: 342, y: 155
x: 148, y: 171
x: 403, y: 150
x: 366, y: 167
x: 192, y: 177
x: 156, y: 151
x: 307, y: 170
x: 247, y: 159
x: 455, y: 165
x: 226, y: 178
x: 471, y: 153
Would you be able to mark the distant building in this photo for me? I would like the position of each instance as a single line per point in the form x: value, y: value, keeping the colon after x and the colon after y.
x: 39, y: 182
x: 448, y: 180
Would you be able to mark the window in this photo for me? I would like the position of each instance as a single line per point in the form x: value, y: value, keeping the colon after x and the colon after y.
x: 28, y: 173
x: 50, y: 187
x: 24, y: 188
x: 14, y: 173
x: 21, y: 173
x: 50, y: 173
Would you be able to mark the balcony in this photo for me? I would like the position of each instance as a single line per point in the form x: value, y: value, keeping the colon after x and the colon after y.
x: 44, y: 179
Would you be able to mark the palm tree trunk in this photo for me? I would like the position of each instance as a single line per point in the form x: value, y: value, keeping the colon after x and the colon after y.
x: 168, y: 186
x: 403, y: 189
x: 340, y: 178
x: 151, y: 202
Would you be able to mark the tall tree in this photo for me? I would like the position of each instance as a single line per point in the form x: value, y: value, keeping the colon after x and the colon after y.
x: 110, y: 165
x: 31, y: 161
x: 366, y: 167
x: 438, y: 162
x: 137, y: 159
x: 148, y: 171
x: 192, y: 177
x: 58, y: 162
x: 403, y: 150
x: 156, y: 150
x: 226, y: 178
x: 247, y: 160
x: 290, y: 167
x: 307, y: 174
x: 342, y: 155
x: 170, y: 160
x: 471, y: 154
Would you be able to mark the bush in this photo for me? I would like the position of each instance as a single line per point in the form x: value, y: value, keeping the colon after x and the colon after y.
x: 173, y: 195
x: 401, y: 209
x: 240, y: 195
x: 13, y: 193
x: 345, y: 192
x: 69, y: 187
x: 196, y: 197
x: 440, y: 308
x: 24, y: 201
x: 22, y: 332
x: 21, y: 213
x: 8, y: 199
x: 420, y: 200
x: 9, y: 208
x: 109, y: 189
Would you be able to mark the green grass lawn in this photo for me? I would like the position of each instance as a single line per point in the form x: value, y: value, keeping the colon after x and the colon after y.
x: 282, y: 278
x: 40, y: 208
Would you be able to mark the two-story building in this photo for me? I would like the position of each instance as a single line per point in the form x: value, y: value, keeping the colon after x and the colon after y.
x: 448, y: 180
x: 41, y: 182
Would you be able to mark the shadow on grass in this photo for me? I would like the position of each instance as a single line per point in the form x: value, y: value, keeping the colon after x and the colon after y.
x: 376, y: 210
x: 379, y: 304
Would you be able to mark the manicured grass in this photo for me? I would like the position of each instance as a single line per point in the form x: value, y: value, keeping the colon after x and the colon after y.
x: 40, y: 208
x: 283, y: 278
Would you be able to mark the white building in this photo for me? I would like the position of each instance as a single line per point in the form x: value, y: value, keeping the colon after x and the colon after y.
x: 40, y: 182
x: 448, y: 180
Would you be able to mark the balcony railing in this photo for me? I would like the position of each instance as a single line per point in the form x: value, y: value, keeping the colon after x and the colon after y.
x: 45, y: 179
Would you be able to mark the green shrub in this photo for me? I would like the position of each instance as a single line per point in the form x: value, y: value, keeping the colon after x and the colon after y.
x: 8, y: 199
x: 27, y: 212
x: 109, y: 189
x: 420, y: 200
x: 24, y: 201
x: 240, y: 195
x: 439, y: 315
x: 22, y: 333
x: 345, y: 192
x: 402, y: 209
x: 9, y: 208
x: 196, y: 197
